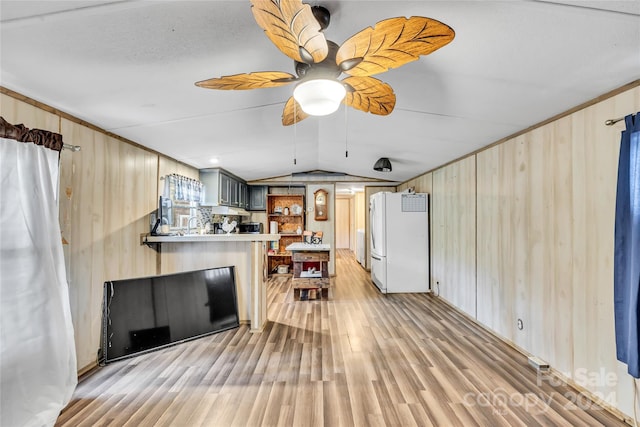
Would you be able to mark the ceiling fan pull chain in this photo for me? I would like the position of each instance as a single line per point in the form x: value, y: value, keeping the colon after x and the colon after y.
x: 295, y: 130
x: 346, y: 138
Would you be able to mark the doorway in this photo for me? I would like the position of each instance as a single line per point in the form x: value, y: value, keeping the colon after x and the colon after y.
x: 343, y: 223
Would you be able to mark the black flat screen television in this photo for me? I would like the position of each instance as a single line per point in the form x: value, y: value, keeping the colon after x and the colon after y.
x: 144, y: 314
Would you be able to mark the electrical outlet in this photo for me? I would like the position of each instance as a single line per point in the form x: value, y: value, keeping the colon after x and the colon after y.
x: 435, y: 287
x: 520, y: 324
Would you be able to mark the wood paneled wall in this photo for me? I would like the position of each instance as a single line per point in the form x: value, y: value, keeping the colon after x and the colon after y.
x: 16, y: 112
x: 108, y: 186
x: 107, y: 191
x: 546, y: 214
x: 453, y: 247
x: 524, y: 230
x: 420, y: 184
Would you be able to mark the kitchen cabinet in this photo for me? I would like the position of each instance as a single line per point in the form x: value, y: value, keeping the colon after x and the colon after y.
x: 243, y: 195
x: 222, y: 188
x: 233, y: 193
x: 257, y: 200
x: 287, y: 210
x: 225, y: 189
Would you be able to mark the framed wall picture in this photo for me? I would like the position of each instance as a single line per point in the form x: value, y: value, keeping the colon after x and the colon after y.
x: 320, y: 205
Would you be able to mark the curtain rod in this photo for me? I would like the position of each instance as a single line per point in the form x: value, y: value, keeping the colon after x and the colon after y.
x: 73, y: 148
x: 612, y: 122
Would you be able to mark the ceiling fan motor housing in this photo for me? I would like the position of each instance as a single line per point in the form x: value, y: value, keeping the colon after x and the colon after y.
x: 327, y: 69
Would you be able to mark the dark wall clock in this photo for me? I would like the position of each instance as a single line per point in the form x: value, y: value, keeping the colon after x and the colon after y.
x: 320, y: 205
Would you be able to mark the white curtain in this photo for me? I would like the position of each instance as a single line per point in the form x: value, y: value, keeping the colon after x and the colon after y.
x: 37, y: 350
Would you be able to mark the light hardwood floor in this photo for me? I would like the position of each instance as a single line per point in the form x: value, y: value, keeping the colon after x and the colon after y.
x: 360, y: 358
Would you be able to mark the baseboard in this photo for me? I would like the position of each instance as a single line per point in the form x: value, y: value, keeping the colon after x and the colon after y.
x: 87, y: 371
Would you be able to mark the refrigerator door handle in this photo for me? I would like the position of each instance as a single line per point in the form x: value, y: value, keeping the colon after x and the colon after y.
x: 371, y: 216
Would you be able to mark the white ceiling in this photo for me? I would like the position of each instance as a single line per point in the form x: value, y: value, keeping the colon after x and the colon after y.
x: 129, y: 67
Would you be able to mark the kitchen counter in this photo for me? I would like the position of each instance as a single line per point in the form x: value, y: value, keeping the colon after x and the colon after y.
x: 233, y: 237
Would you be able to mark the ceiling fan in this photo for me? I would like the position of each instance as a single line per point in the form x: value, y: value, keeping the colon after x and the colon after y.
x: 297, y: 28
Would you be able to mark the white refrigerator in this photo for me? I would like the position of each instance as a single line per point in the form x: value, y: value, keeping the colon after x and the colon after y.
x: 399, y: 241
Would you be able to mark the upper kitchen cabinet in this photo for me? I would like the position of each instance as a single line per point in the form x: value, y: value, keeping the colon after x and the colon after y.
x: 233, y: 192
x: 243, y: 195
x: 224, y: 190
x: 221, y: 188
x: 258, y: 197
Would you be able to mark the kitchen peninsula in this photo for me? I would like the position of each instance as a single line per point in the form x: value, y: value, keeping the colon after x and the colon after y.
x: 246, y: 252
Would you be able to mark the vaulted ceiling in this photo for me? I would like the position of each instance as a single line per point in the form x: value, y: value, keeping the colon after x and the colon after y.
x: 129, y: 67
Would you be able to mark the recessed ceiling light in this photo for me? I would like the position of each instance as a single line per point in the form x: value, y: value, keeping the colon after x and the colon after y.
x: 213, y: 160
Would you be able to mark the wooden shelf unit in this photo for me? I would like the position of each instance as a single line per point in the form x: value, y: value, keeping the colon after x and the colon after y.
x: 287, y: 227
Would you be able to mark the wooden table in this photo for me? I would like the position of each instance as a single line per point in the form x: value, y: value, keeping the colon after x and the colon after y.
x: 310, y: 270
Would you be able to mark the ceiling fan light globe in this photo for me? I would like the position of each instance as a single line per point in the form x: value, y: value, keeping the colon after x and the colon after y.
x: 319, y: 97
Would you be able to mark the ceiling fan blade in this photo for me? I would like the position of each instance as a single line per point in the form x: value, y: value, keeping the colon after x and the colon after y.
x: 291, y: 26
x: 292, y: 113
x: 370, y: 95
x: 255, y: 80
x: 391, y: 44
